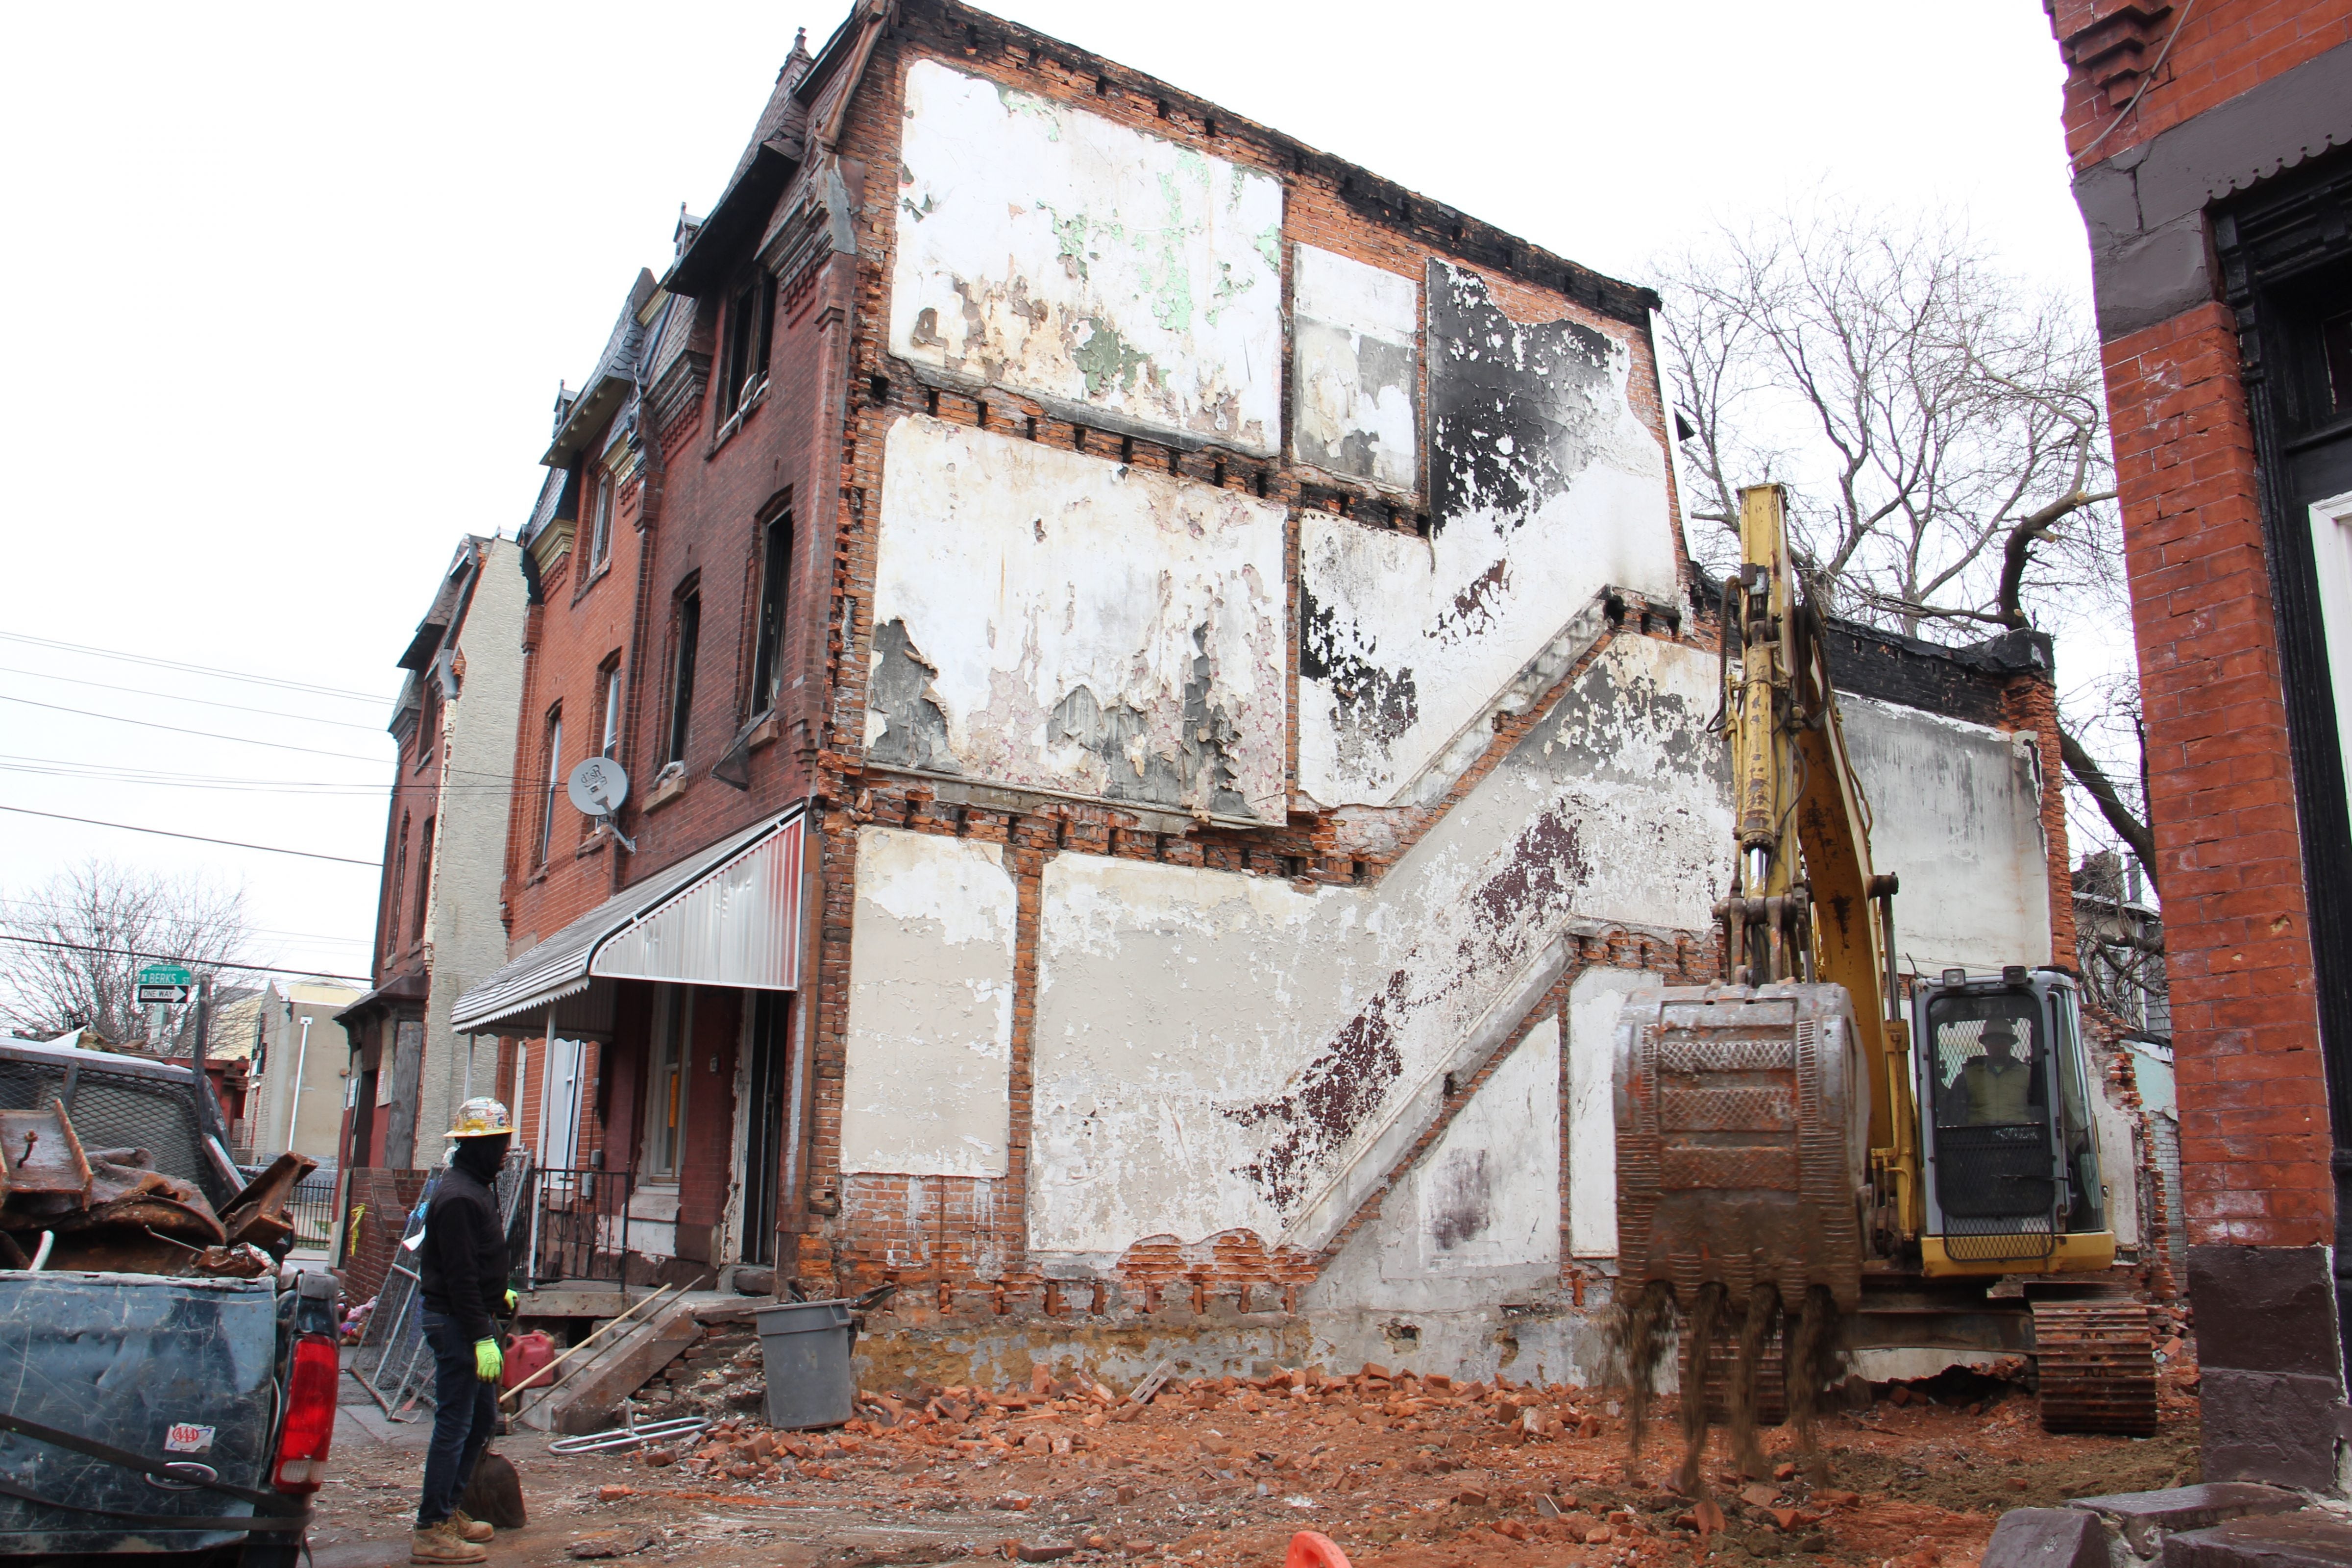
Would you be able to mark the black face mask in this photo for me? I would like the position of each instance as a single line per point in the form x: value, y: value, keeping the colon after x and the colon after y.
x: 481, y: 1157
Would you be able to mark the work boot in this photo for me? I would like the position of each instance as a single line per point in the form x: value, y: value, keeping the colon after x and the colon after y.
x: 436, y: 1544
x: 474, y: 1530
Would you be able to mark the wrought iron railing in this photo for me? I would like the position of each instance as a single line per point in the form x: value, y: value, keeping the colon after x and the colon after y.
x: 311, y: 1205
x: 577, y: 1225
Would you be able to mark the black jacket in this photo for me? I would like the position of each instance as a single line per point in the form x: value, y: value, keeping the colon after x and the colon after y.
x: 461, y: 1265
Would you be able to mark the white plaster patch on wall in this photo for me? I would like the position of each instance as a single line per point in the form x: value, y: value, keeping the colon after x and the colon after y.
x: 926, y: 1082
x: 1355, y: 374
x: 1049, y: 619
x: 1486, y: 1198
x: 1217, y: 1051
x: 1956, y: 812
x: 1548, y: 488
x: 1052, y: 251
x: 1593, y: 1002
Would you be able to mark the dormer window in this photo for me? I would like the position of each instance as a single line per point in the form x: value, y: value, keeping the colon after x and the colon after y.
x: 750, y: 329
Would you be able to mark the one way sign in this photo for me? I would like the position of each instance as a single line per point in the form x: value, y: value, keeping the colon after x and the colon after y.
x: 163, y: 983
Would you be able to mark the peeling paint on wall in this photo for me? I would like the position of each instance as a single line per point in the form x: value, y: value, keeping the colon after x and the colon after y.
x: 1548, y: 488
x: 1355, y: 375
x: 1049, y: 619
x: 1592, y: 1005
x: 1956, y: 812
x: 1058, y: 253
x: 1218, y: 1051
x: 926, y: 1083
x: 1486, y: 1198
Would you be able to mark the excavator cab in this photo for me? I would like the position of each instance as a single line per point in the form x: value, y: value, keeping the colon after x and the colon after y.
x: 2011, y: 1161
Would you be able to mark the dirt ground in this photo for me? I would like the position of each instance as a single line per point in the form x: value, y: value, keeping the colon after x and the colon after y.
x: 1401, y: 1474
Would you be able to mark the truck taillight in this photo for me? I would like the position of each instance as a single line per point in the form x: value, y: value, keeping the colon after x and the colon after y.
x: 310, y: 1415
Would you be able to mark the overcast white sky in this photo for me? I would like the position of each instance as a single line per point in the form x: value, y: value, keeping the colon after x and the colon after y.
x: 295, y: 285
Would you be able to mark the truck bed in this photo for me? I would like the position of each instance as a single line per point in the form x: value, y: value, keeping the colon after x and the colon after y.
x: 181, y: 1369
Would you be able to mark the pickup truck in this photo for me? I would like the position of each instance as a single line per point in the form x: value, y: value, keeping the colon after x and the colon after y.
x: 144, y: 1413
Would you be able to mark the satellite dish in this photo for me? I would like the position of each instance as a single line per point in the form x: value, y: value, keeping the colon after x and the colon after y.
x: 598, y: 786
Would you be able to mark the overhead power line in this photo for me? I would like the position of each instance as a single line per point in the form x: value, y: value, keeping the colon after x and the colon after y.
x: 176, y: 730
x: 64, y: 914
x: 200, y: 701
x: 181, y: 958
x: 117, y: 774
x: 196, y: 838
x: 195, y: 669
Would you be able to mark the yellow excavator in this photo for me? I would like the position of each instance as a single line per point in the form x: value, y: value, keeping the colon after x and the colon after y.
x: 1806, y: 1158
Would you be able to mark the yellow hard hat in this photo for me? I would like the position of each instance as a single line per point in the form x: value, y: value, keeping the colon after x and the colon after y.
x: 481, y: 1117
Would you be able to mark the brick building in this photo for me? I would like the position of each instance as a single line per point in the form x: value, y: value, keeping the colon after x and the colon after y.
x: 437, y: 929
x: 1165, y: 706
x: 2210, y: 145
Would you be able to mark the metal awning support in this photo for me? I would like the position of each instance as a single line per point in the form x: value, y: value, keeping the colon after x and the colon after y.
x: 730, y: 915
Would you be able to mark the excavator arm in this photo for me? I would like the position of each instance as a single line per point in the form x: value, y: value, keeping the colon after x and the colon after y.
x: 1803, y: 827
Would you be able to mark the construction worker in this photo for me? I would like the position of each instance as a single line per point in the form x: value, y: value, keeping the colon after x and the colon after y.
x: 461, y: 1273
x: 1999, y: 1086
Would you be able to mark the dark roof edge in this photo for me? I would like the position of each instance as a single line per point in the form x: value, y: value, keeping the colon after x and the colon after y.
x: 1442, y: 228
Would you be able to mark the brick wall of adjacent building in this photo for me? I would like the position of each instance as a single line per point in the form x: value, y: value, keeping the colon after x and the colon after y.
x: 2254, y: 1113
x: 2112, y: 47
x: 2176, y: 117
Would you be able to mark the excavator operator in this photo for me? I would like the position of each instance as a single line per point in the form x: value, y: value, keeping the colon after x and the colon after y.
x: 1998, y: 1087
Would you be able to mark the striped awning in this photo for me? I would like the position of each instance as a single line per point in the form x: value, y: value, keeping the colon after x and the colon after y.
x: 730, y: 915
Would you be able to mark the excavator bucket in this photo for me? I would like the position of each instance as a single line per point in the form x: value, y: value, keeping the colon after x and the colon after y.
x: 1743, y: 1141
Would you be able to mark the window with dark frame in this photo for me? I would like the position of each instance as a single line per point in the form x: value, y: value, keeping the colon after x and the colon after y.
x: 399, y: 885
x: 424, y: 876
x: 553, y: 786
x: 681, y: 685
x: 751, y: 332
x: 2336, y: 359
x: 775, y: 581
x: 666, y: 1079
x: 428, y: 719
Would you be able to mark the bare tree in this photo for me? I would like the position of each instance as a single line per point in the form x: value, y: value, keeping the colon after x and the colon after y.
x: 1938, y: 423
x: 80, y: 939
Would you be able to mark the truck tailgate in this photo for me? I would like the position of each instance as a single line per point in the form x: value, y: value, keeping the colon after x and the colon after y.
x: 181, y: 1369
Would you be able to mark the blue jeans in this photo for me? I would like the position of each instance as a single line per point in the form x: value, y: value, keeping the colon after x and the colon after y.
x: 465, y: 1415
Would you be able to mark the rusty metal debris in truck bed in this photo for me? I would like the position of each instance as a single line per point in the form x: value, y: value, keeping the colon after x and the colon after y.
x: 111, y: 1209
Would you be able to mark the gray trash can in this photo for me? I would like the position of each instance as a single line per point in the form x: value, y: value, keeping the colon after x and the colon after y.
x: 804, y: 1346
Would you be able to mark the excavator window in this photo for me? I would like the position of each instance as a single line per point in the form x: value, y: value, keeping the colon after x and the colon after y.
x: 1990, y: 1061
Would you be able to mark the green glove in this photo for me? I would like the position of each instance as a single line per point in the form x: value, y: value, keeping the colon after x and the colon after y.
x: 511, y: 1299
x: 488, y: 1361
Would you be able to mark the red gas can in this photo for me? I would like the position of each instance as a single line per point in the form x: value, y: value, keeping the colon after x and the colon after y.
x: 527, y: 1358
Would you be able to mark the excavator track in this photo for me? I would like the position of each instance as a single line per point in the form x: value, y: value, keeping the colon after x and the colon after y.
x: 2097, y: 1362
x: 1771, y: 1380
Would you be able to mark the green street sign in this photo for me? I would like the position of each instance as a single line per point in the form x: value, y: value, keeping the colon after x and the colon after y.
x: 165, y: 975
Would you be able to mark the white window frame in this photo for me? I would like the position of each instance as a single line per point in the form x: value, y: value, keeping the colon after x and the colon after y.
x: 554, y: 791
x: 2331, y: 555
x: 600, y: 538
x: 612, y: 739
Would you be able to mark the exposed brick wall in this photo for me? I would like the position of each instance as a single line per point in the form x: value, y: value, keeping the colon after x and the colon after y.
x: 2222, y: 48
x: 380, y: 1199
x: 2030, y: 704
x: 2253, y: 1116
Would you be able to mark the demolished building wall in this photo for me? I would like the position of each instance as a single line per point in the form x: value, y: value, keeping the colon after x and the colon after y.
x: 1257, y: 1065
x: 1254, y: 711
